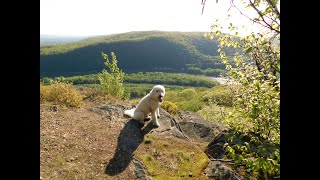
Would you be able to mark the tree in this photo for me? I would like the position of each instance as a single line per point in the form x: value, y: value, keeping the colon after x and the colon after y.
x: 257, y: 82
x: 112, y: 83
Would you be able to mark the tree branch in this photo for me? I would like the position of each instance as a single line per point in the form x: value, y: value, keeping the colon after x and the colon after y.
x: 222, y: 160
x: 232, y: 5
x: 203, y: 3
x: 274, y: 8
x: 262, y: 17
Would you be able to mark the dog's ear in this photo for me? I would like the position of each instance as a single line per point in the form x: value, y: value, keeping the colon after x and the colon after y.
x: 151, y: 91
x: 164, y: 90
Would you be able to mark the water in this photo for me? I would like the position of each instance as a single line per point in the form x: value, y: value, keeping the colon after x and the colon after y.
x: 222, y: 80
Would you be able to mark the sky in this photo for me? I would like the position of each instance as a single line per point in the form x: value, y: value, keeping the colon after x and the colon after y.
x: 102, y: 17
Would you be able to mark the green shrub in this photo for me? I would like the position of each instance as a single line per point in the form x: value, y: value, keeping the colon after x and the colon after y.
x: 188, y: 94
x: 193, y: 105
x: 170, y: 107
x: 214, y: 112
x: 46, y: 80
x: 112, y: 82
x: 213, y: 72
x: 221, y: 95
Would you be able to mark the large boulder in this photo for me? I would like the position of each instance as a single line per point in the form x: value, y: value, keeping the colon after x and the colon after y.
x: 184, y: 125
x: 112, y: 112
x: 215, y: 148
x: 195, y: 127
x: 219, y: 171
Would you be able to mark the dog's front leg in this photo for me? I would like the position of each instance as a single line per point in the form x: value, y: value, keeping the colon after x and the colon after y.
x: 154, y: 118
x: 158, y: 113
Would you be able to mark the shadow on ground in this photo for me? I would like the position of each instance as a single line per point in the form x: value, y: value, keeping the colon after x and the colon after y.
x: 129, y: 139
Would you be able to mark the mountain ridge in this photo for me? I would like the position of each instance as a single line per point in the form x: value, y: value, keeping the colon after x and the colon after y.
x: 136, y: 51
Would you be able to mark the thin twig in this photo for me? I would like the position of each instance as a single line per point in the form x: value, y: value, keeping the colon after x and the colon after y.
x: 266, y: 25
x: 262, y: 17
x: 222, y: 160
x: 229, y: 161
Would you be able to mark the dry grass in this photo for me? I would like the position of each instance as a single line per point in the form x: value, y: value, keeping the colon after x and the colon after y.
x: 61, y: 93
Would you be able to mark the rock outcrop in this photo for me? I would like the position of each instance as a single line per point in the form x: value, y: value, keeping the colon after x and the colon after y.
x: 195, y: 127
x: 184, y: 125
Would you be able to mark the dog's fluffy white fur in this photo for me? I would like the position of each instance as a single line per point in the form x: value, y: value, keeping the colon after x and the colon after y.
x: 149, y: 104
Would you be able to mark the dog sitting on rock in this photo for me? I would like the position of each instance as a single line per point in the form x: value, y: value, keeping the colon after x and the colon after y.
x: 149, y: 104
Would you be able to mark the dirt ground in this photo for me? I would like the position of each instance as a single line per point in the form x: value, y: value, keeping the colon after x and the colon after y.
x: 77, y: 143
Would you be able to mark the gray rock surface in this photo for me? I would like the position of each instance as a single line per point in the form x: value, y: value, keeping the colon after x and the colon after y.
x: 195, y: 127
x: 140, y: 170
x: 219, y: 171
x: 184, y: 125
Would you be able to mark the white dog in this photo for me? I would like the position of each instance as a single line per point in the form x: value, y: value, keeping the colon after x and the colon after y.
x: 148, y: 104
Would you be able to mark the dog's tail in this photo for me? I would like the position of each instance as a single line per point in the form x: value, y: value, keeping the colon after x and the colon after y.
x: 129, y: 112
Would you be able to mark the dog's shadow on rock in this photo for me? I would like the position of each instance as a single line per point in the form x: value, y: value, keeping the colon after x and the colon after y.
x: 129, y: 139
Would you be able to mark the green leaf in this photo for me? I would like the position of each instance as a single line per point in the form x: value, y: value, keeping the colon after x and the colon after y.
x: 274, y: 162
x: 248, y: 50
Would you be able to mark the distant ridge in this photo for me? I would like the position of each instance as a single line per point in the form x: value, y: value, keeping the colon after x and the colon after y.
x: 135, y: 51
x: 46, y: 39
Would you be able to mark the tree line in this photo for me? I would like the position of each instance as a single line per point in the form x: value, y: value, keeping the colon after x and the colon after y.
x: 141, y: 78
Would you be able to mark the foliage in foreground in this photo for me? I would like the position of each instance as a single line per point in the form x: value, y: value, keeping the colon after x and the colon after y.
x: 61, y: 93
x: 257, y: 80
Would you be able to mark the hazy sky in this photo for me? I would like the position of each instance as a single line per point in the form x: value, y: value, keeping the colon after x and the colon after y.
x: 101, y: 17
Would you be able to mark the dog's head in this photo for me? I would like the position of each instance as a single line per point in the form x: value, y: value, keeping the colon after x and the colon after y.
x: 158, y: 93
